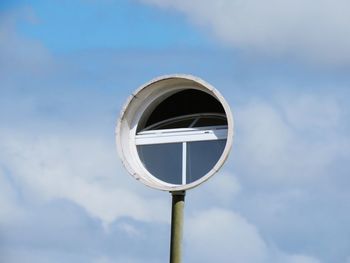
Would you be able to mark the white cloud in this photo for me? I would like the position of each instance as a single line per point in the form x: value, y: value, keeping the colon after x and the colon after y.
x: 221, y: 190
x: 84, y: 170
x: 312, y: 111
x: 20, y: 53
x: 318, y: 32
x: 300, y: 259
x: 291, y: 156
x: 122, y: 260
x: 218, y: 235
x: 9, y: 207
x: 265, y: 132
x: 103, y: 260
x: 223, y: 236
x: 277, y: 142
x: 129, y: 229
x: 295, y: 139
x: 49, y: 163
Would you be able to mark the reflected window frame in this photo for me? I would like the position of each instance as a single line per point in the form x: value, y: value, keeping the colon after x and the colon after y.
x: 152, y: 135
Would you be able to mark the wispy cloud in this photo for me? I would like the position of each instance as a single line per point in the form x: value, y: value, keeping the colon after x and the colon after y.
x: 302, y: 29
x: 228, y: 237
x: 297, y: 139
x: 80, y: 169
x: 64, y: 196
x: 18, y: 53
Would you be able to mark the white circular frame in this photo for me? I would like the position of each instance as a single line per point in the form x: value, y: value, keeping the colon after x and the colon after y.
x: 141, y: 103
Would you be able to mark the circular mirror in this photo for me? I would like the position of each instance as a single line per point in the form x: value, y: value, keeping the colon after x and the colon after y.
x: 174, y: 132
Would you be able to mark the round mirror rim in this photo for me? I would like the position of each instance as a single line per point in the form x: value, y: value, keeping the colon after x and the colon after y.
x: 132, y: 113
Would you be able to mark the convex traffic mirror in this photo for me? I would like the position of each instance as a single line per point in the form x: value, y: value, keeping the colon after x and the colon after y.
x: 174, y: 132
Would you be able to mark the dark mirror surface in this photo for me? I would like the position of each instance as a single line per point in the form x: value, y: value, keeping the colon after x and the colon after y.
x: 185, y: 102
x: 175, y: 124
x: 210, y: 121
x: 163, y: 161
x: 202, y: 157
x: 190, y: 121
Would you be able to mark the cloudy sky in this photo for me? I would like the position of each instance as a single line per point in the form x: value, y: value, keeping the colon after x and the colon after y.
x: 66, y: 68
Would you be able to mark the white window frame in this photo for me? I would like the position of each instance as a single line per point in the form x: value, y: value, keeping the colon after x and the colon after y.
x: 181, y: 135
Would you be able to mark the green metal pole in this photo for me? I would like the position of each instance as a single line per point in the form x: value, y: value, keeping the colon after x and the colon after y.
x: 177, y: 219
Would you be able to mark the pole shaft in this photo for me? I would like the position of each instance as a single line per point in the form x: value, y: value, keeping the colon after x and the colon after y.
x: 177, y: 218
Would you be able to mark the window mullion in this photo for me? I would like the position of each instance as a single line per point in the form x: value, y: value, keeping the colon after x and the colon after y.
x: 184, y: 162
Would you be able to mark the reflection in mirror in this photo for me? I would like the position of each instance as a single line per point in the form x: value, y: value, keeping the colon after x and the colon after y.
x: 184, y: 102
x: 189, y: 121
x: 210, y: 121
x: 163, y: 161
x: 183, y: 138
x: 202, y: 157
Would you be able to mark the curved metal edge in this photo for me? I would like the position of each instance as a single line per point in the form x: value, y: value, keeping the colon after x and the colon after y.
x: 221, y: 161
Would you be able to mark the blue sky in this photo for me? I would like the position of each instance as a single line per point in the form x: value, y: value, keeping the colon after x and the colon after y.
x: 66, y: 68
